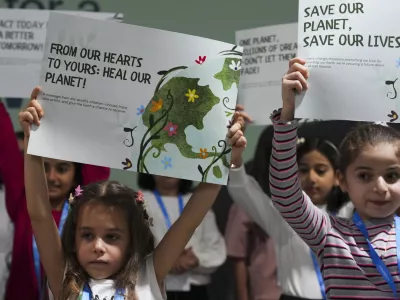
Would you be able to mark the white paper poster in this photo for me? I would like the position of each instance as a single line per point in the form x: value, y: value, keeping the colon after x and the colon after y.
x: 352, y: 52
x: 266, y: 54
x: 22, y: 37
x: 137, y: 98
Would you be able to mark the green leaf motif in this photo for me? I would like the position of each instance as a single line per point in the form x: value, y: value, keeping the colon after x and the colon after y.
x: 228, y: 113
x: 217, y: 172
x: 183, y: 113
x: 200, y: 169
x: 227, y: 75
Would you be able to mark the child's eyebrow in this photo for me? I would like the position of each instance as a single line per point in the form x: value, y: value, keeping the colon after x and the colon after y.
x: 111, y: 229
x: 363, y: 168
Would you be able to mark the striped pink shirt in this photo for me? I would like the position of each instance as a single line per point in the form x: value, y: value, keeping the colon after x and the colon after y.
x: 347, y: 268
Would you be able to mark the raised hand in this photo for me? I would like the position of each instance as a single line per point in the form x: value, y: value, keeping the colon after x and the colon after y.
x: 294, y: 81
x: 236, y: 138
x: 32, y: 114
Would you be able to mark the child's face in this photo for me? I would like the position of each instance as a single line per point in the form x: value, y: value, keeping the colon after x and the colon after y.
x: 372, y: 181
x: 102, y: 239
x: 317, y: 176
x: 60, y: 176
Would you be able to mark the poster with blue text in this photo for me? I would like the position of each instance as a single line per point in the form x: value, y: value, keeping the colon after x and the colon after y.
x: 352, y: 53
x: 137, y: 99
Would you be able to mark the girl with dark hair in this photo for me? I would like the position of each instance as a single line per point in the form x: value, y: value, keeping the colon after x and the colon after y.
x: 107, y: 249
x: 359, y: 257
x: 205, y: 251
x: 298, y: 271
x: 61, y: 177
x: 318, y: 161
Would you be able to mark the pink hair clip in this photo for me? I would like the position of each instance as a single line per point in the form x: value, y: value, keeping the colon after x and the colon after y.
x: 139, y: 196
x: 78, y: 191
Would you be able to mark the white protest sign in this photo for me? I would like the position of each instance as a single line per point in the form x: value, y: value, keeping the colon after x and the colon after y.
x: 137, y: 98
x: 22, y: 37
x: 266, y: 55
x: 352, y: 52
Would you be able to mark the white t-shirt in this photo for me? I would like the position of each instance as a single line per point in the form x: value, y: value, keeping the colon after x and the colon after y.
x: 6, y: 243
x: 146, y: 288
x: 206, y: 242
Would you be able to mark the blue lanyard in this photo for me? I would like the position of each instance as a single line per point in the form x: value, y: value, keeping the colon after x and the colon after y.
x: 319, y: 275
x: 36, y: 257
x: 375, y: 257
x: 87, y: 294
x: 164, y: 209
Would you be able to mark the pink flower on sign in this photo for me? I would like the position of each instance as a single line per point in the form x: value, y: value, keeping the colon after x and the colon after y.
x: 78, y: 191
x: 201, y: 60
x: 171, y: 129
x: 139, y: 196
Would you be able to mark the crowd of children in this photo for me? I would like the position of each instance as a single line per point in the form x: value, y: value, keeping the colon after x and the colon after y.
x: 310, y: 219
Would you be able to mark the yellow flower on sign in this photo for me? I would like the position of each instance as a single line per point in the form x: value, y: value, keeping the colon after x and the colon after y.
x: 191, y: 94
x: 203, y: 153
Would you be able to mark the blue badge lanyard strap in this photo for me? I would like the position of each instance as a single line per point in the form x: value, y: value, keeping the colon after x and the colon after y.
x: 164, y: 209
x: 319, y: 275
x: 383, y: 270
x: 36, y: 256
x: 88, y: 295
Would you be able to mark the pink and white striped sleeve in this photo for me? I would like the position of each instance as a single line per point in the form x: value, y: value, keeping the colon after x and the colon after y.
x: 310, y: 223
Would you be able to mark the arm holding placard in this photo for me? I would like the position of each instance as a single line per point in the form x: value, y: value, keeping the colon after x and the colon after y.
x: 44, y: 227
x: 310, y: 223
x: 177, y: 237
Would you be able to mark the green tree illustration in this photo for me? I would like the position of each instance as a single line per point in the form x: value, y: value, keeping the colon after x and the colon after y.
x: 179, y: 103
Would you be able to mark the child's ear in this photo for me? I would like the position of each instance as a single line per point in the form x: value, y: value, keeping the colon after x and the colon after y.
x: 341, y: 181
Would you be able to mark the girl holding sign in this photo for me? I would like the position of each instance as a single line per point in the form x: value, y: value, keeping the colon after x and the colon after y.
x: 359, y: 257
x: 107, y: 249
x: 26, y: 277
x: 298, y: 271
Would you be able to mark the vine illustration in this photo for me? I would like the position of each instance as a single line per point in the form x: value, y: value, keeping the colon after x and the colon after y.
x: 130, y: 130
x: 155, y: 125
x: 233, y: 51
x: 229, y: 110
x: 391, y: 83
x: 141, y: 166
x: 165, y: 74
x: 217, y: 172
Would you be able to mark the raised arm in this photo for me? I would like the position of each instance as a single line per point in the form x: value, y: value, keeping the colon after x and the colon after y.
x: 11, y: 164
x: 311, y: 223
x: 43, y: 225
x: 173, y: 243
x: 247, y: 193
